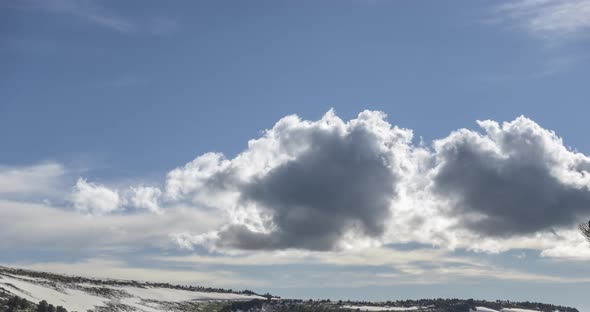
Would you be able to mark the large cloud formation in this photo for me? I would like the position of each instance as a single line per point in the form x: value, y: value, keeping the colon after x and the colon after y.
x: 319, y: 185
x: 305, y: 184
x: 517, y: 178
x: 332, y: 184
x: 342, y: 178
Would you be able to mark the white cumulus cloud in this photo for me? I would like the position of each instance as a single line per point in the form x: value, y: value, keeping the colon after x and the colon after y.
x: 146, y: 197
x: 95, y: 198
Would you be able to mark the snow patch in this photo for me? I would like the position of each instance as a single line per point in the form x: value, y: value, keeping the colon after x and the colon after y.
x: 379, y: 308
x: 484, y: 309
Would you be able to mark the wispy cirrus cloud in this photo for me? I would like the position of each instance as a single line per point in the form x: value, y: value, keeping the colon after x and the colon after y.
x: 126, y: 81
x: 91, y: 12
x: 556, y: 24
x: 85, y: 10
x: 548, y: 19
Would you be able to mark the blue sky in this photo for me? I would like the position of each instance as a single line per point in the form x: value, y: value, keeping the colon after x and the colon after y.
x: 102, y: 103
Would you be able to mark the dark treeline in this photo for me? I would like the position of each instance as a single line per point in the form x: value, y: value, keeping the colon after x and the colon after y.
x: 43, y: 306
x: 431, y: 305
x: 454, y: 304
x: 18, y: 304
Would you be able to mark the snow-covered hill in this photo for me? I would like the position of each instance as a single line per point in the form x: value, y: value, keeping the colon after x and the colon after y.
x: 83, y: 294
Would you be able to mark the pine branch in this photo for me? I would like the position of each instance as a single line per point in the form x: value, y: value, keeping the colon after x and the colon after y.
x: 585, y: 230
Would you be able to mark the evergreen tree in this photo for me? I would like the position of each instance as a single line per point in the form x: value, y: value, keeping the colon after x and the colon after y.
x: 42, y: 306
x: 23, y: 304
x: 585, y: 229
x: 11, y: 302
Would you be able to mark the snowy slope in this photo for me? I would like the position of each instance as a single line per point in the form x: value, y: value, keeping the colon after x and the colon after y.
x: 74, y: 299
x: 109, y: 295
x: 83, y: 296
x: 379, y: 308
